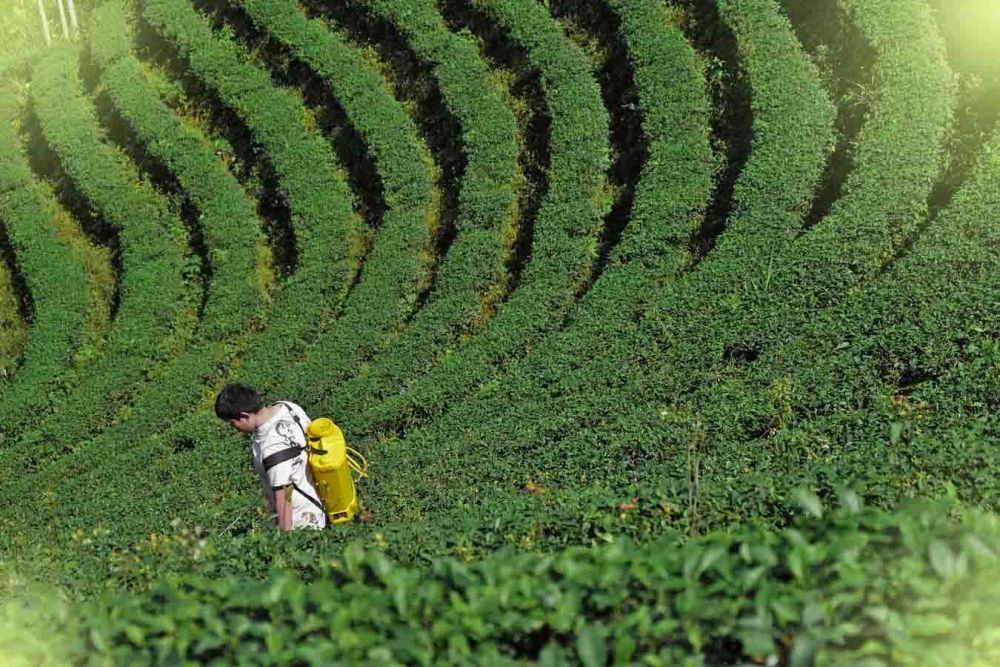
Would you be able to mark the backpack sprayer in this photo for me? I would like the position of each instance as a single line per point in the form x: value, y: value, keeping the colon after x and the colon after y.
x: 334, y: 467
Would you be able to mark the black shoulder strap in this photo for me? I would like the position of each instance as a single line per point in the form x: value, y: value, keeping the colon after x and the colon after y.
x: 286, y: 454
x: 309, y: 498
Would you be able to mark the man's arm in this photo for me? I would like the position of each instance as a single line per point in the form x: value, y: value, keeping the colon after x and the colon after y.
x: 283, y: 503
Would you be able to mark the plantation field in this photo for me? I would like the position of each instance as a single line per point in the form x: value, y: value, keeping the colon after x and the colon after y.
x: 670, y: 329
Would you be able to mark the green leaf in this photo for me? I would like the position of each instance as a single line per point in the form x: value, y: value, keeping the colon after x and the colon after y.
x: 809, y: 502
x: 803, y: 651
x: 624, y: 649
x: 930, y: 625
x: 592, y: 646
x: 895, y: 432
x: 135, y: 634
x: 756, y: 642
x: 943, y: 559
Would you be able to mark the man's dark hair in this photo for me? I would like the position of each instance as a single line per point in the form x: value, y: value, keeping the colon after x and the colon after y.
x: 235, y: 399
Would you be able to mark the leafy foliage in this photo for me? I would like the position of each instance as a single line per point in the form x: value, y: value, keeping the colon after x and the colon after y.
x: 564, y: 241
x: 474, y: 271
x: 849, y: 585
x: 396, y: 271
x: 151, y: 237
x: 328, y: 236
x: 54, y: 276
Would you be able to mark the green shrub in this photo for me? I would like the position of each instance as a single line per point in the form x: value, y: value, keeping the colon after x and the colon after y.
x: 329, y: 238
x: 849, y: 585
x: 227, y: 225
x: 53, y: 276
x: 565, y: 236
x: 473, y: 273
x: 713, y: 322
x: 911, y: 351
x: 792, y: 139
x: 396, y: 270
x: 883, y: 203
x: 152, y: 285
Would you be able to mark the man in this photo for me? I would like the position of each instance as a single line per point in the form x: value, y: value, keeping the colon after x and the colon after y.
x: 279, y: 453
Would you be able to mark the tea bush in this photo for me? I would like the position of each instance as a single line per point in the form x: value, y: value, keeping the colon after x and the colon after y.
x: 692, y: 346
x: 396, y: 270
x: 473, y: 275
x: 850, y: 585
x: 228, y: 228
x: 152, y: 290
x: 653, y: 248
x: 564, y: 237
x: 329, y: 238
x: 788, y: 153
x: 54, y: 278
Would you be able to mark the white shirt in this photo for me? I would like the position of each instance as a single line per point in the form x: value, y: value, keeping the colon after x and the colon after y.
x: 278, y: 434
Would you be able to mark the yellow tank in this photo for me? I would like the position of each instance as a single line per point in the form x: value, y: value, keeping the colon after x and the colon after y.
x: 331, y: 469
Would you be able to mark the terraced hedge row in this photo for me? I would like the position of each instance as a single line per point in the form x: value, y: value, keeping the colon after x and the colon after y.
x: 473, y: 275
x: 672, y: 191
x: 54, y: 277
x: 564, y: 241
x: 227, y: 227
x: 396, y: 271
x: 786, y: 154
x: 152, y: 292
x: 329, y: 238
x: 884, y: 200
x: 194, y: 441
x: 904, y: 357
x: 691, y: 350
x: 917, y: 335
x: 196, y: 438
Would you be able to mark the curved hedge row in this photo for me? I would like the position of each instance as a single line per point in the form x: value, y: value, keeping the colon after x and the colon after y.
x: 899, y: 154
x: 847, y: 585
x: 397, y: 268
x: 329, y: 238
x: 564, y: 245
x: 885, y: 198
x: 13, y: 327
x: 919, y: 333
x: 473, y: 273
x: 54, y: 276
x: 673, y: 189
x: 227, y: 221
x: 793, y: 121
x: 858, y: 391
x: 330, y: 242
x: 152, y: 288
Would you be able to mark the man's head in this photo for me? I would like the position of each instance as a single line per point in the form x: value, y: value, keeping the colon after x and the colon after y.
x: 239, y: 404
